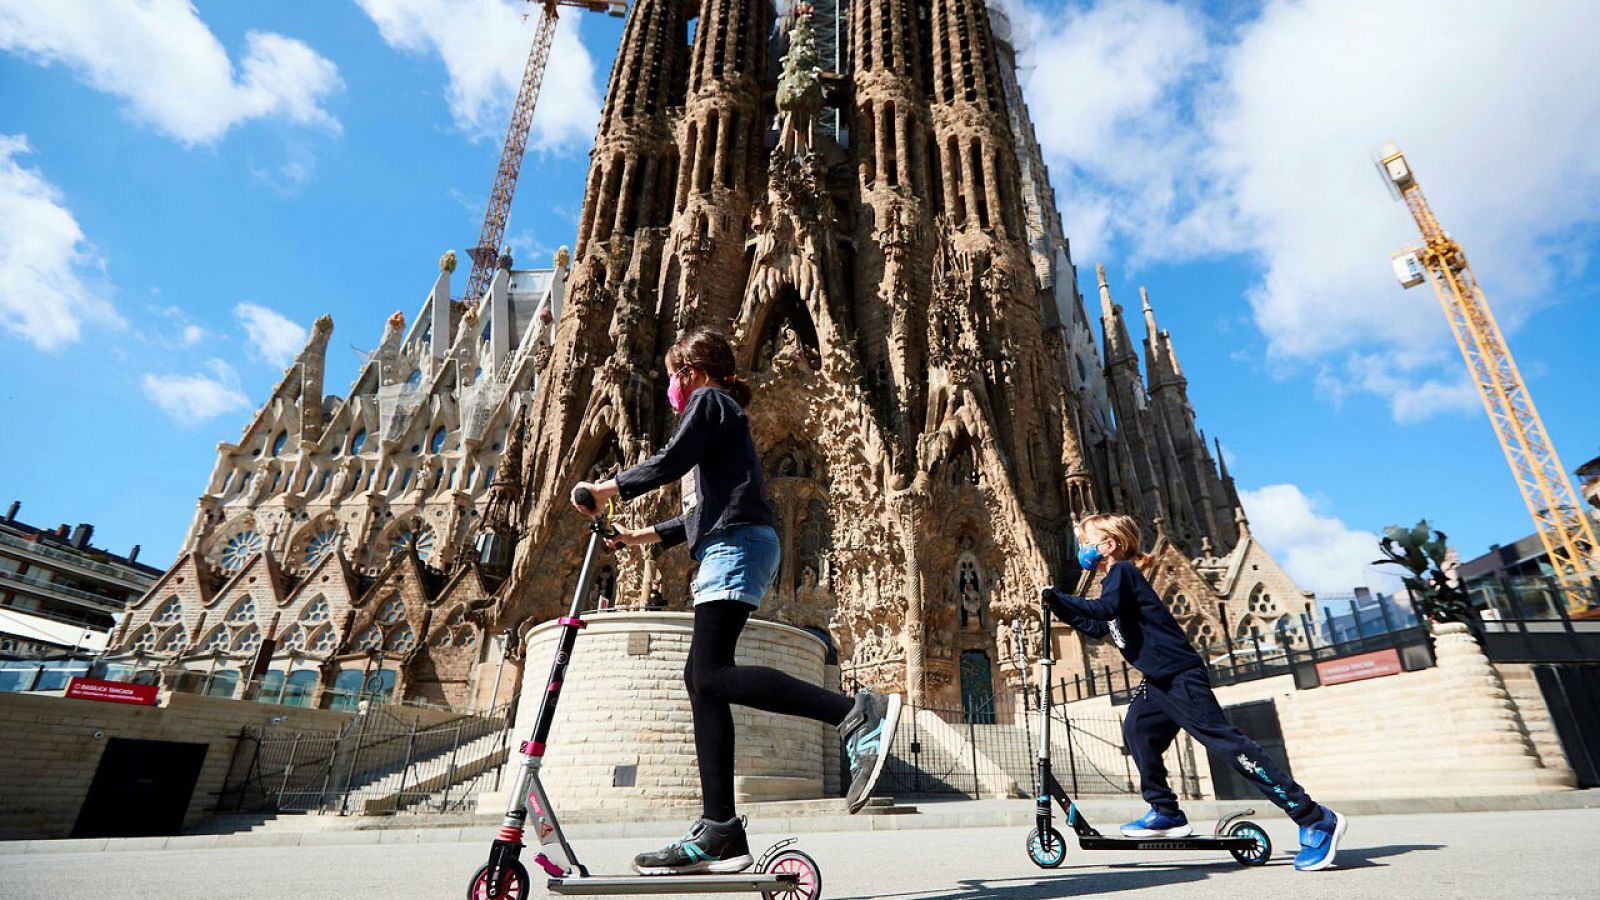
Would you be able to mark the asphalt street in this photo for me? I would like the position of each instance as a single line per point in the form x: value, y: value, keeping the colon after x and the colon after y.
x: 1531, y: 854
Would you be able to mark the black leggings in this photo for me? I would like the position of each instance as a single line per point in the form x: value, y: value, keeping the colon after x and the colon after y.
x: 714, y: 683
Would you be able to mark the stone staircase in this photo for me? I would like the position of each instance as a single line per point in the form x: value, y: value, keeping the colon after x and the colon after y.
x: 426, y: 777
x: 1014, y: 749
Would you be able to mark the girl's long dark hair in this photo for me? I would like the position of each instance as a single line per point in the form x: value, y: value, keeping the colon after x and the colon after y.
x: 707, y: 350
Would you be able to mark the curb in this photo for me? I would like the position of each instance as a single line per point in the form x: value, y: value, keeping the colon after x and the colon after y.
x: 948, y: 814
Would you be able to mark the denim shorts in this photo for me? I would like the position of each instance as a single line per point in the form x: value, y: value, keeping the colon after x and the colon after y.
x: 737, y: 564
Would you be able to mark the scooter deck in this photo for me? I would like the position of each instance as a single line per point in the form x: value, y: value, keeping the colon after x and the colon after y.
x: 1194, y: 842
x: 674, y: 884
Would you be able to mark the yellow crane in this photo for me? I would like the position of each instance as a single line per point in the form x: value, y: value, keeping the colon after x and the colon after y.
x: 487, y: 251
x: 1563, y: 527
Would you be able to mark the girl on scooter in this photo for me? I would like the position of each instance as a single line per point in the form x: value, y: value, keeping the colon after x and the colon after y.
x: 728, y: 526
x: 1175, y: 694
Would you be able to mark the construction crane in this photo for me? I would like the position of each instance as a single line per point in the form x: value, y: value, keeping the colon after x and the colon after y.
x: 1563, y: 527
x: 487, y: 252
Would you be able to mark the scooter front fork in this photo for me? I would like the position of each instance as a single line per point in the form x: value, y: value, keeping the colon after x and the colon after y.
x: 1041, y: 810
x: 503, y: 855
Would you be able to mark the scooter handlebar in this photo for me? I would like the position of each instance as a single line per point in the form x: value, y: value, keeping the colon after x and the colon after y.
x: 584, y: 498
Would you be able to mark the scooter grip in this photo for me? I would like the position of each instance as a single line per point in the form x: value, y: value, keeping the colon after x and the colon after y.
x: 584, y: 498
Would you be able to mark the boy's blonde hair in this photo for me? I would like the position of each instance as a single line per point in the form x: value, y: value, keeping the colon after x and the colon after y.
x: 1124, y: 530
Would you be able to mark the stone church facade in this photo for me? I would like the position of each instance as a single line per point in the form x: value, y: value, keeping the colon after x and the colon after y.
x: 855, y: 194
x: 880, y: 239
x: 349, y: 546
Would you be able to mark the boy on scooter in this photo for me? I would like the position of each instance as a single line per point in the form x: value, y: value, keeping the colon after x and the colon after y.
x: 1175, y: 694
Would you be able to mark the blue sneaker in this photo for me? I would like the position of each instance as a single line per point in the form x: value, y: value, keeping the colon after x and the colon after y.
x: 1319, y: 841
x: 1158, y: 824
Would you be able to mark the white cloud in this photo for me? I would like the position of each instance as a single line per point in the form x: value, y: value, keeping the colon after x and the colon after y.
x: 193, y: 334
x: 197, y: 397
x: 1320, y: 552
x: 1177, y: 138
x: 165, y: 62
x: 273, y: 335
x: 50, y: 278
x: 484, y: 46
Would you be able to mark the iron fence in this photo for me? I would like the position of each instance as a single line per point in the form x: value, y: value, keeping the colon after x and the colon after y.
x: 380, y: 763
x: 981, y: 750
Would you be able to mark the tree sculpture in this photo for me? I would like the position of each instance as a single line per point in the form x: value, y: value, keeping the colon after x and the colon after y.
x: 1434, y: 579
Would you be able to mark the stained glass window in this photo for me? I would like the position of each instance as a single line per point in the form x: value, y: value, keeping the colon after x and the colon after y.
x: 240, y: 548
x: 320, y: 545
x: 170, y: 612
x: 392, y: 610
x: 316, y: 612
x: 402, y: 639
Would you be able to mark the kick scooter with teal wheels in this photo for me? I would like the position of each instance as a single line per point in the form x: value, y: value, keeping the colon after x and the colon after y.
x: 783, y: 872
x: 1247, y: 841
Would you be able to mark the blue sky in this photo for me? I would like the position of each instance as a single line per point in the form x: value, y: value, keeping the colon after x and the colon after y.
x: 183, y: 189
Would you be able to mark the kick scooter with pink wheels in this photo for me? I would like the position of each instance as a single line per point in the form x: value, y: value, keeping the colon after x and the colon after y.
x: 783, y: 872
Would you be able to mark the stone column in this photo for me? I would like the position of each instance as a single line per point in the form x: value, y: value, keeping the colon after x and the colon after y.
x: 1492, y: 743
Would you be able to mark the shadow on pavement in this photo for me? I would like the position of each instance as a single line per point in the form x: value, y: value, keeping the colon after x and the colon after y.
x: 1048, y: 886
x: 1362, y: 857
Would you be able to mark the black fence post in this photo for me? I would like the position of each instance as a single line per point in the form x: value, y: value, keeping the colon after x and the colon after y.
x: 1072, y: 755
x: 405, y: 767
x: 1227, y: 631
x: 1388, y: 623
x: 972, y: 738
x: 1127, y: 765
x: 288, y: 770
x: 455, y: 744
x: 1255, y: 641
x: 350, y: 776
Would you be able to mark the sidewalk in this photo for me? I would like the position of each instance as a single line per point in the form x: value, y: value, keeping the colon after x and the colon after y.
x: 1106, y: 813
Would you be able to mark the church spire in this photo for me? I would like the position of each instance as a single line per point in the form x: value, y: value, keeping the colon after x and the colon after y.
x: 1118, y: 344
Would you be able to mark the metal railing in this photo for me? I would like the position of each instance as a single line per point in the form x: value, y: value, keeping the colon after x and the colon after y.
x: 381, y: 763
x: 137, y: 581
x: 1253, y: 660
x: 35, y: 584
x: 982, y: 750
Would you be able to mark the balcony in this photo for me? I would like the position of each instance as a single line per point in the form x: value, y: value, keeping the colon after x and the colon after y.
x: 37, y: 586
x: 41, y: 551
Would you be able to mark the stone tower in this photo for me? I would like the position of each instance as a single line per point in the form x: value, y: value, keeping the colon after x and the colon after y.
x: 877, y: 234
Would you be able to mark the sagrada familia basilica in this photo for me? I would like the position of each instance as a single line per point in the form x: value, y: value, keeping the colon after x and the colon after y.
x: 853, y: 190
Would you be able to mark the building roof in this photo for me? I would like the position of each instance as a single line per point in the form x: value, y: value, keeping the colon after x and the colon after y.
x: 54, y: 537
x: 1504, y: 556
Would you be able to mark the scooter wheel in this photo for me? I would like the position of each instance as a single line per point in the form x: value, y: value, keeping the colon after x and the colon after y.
x: 1257, y: 855
x: 1049, y: 852
x: 513, y: 884
x: 807, y: 876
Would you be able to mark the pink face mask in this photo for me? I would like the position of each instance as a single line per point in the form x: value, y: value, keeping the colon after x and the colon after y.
x: 677, y: 393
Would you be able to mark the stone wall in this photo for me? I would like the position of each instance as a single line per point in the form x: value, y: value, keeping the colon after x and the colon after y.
x: 624, y: 704
x: 51, y: 749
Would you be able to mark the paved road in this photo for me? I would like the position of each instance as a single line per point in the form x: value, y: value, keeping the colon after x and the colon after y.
x: 1513, y: 854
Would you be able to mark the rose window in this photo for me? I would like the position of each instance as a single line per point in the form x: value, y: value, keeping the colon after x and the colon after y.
x: 320, y: 545
x: 240, y: 548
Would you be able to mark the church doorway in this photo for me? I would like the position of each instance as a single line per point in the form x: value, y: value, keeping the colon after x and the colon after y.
x: 977, y: 687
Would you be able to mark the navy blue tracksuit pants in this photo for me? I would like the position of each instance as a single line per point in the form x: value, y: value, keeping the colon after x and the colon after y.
x: 1161, y: 707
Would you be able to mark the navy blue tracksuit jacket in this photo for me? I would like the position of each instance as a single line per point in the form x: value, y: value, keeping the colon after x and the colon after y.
x: 1176, y: 692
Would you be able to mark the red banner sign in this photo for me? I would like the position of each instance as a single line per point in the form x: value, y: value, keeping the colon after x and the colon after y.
x: 1362, y: 666
x: 112, y: 691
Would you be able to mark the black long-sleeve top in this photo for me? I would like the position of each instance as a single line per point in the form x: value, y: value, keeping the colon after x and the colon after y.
x: 1135, y: 618
x: 713, y: 458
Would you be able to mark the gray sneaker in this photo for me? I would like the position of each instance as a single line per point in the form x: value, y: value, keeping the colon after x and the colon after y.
x: 868, y: 733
